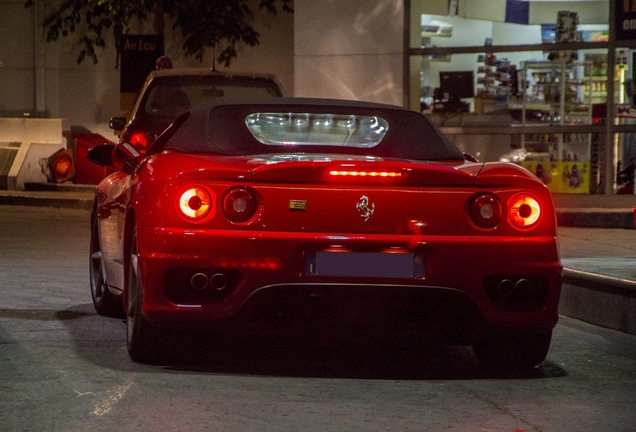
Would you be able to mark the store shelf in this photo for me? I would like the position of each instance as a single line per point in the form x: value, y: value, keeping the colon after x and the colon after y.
x: 547, y: 47
x: 557, y: 87
x: 431, y: 34
x: 446, y: 59
x: 561, y: 90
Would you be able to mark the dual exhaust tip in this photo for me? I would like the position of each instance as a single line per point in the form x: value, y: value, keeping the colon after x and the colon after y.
x: 506, y: 287
x: 202, y: 282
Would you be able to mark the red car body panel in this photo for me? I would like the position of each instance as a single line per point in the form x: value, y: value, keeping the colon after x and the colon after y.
x: 424, y: 212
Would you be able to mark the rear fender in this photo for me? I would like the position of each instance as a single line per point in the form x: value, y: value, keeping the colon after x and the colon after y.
x: 503, y: 174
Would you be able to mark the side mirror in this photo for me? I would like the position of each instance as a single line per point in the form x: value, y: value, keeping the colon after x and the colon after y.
x: 101, y: 155
x: 117, y: 123
x: 125, y: 158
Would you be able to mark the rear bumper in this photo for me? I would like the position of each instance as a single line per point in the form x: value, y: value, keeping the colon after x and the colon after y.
x: 257, y: 265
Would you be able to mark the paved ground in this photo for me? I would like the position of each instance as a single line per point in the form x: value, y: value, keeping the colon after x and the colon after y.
x: 609, y: 252
x: 64, y: 368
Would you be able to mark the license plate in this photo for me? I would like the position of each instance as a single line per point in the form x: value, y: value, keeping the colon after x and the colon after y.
x: 365, y: 264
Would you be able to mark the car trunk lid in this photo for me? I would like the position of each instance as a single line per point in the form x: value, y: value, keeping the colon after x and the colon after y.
x: 335, y: 194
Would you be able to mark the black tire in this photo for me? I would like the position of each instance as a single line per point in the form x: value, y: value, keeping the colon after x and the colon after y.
x: 145, y: 342
x: 524, y: 351
x: 103, y: 301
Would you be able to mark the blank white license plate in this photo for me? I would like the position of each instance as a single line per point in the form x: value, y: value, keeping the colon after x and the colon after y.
x: 365, y: 264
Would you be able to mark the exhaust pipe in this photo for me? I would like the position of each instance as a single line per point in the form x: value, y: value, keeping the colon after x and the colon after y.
x: 505, y: 287
x: 199, y: 281
x: 523, y: 287
x: 218, y: 281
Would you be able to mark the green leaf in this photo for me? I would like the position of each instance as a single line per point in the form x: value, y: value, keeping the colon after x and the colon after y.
x: 201, y: 24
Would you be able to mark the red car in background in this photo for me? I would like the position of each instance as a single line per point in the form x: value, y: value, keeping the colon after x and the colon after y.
x: 167, y: 93
x: 329, y: 216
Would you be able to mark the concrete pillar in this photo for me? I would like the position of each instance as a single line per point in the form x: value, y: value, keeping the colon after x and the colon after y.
x: 350, y: 50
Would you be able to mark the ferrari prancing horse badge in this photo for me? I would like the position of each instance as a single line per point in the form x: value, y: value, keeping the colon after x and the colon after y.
x: 363, y: 206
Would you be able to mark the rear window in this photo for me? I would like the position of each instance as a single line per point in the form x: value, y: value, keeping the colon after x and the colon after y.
x: 170, y: 96
x: 304, y: 129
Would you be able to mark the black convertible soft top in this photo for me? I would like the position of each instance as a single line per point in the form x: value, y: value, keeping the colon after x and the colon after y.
x: 219, y: 127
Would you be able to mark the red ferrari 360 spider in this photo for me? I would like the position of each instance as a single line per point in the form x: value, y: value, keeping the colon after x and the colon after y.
x: 334, y: 216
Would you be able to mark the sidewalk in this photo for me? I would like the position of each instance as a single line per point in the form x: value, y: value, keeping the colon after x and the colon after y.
x: 595, y: 211
x: 51, y: 195
x: 598, y: 249
x: 599, y: 280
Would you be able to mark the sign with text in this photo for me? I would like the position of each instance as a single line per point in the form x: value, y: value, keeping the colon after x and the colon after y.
x: 625, y: 28
x: 138, y: 56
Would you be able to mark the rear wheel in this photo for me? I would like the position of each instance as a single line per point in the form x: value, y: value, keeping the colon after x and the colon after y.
x: 103, y: 301
x: 524, y: 351
x: 144, y: 341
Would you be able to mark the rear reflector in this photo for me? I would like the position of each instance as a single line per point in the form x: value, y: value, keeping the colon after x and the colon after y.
x: 239, y: 205
x: 486, y: 211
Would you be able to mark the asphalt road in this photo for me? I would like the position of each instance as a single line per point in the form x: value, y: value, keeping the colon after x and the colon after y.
x: 63, y: 368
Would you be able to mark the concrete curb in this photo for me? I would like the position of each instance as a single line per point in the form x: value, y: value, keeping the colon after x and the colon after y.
x: 47, y: 200
x: 602, y: 300
x: 595, y: 218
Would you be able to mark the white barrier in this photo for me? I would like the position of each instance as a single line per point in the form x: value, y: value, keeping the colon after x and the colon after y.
x: 35, y: 140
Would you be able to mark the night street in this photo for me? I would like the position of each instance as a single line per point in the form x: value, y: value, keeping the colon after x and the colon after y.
x: 302, y: 204
x: 64, y: 368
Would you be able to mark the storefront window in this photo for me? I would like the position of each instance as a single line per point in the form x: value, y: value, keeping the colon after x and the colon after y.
x: 542, y: 82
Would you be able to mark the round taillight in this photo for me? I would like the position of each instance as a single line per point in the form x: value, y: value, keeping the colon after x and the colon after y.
x: 195, y: 203
x: 239, y: 205
x: 524, y: 210
x: 61, y: 165
x: 486, y: 211
x: 140, y: 141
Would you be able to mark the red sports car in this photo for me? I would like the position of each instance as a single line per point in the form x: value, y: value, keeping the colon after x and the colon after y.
x: 327, y: 216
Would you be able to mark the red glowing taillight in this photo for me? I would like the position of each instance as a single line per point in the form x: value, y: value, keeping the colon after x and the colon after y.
x: 524, y: 211
x: 139, y: 140
x: 195, y: 203
x: 239, y: 204
x: 486, y: 211
x: 61, y: 165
